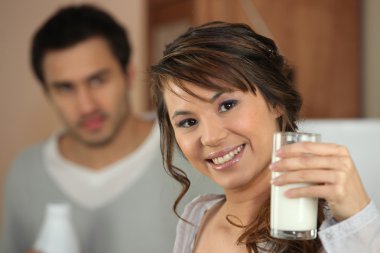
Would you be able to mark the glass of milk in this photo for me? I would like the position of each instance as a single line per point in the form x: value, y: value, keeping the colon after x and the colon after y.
x: 296, y: 218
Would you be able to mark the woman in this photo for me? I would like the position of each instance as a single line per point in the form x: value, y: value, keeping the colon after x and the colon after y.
x: 221, y: 92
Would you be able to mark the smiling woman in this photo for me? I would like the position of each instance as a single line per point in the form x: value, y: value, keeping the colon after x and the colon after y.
x: 207, y: 132
x: 221, y: 92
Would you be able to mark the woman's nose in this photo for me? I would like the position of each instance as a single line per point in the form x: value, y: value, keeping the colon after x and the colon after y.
x: 213, y: 132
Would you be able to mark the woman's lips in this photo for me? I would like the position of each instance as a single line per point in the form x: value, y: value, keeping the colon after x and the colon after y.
x: 226, y: 159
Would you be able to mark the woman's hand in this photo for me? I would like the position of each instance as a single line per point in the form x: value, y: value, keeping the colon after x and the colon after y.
x: 331, y: 170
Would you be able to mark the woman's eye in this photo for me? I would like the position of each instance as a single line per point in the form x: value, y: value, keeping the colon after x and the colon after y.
x: 187, y: 123
x: 227, y: 105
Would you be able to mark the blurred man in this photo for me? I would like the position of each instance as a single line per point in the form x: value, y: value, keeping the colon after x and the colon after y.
x: 106, y: 162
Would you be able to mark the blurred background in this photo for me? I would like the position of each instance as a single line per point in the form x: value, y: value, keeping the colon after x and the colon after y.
x: 334, y: 46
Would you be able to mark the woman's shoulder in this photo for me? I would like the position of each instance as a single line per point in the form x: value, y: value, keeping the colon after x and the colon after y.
x: 192, y: 217
x: 196, y: 208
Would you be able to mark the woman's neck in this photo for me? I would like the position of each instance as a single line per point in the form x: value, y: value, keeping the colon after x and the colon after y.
x: 242, y: 205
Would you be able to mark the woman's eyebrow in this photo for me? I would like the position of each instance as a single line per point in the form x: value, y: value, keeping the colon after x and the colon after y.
x: 179, y: 113
x: 211, y: 100
x: 216, y: 96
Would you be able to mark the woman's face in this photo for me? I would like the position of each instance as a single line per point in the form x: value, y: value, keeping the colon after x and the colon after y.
x: 227, y: 136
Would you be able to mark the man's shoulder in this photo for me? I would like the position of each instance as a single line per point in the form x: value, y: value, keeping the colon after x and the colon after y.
x: 30, y: 157
x: 31, y: 152
x: 26, y: 172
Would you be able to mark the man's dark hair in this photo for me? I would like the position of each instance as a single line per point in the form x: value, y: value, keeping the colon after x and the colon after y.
x: 73, y: 24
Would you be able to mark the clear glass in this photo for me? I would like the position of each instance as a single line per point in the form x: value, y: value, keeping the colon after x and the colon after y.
x: 292, y: 219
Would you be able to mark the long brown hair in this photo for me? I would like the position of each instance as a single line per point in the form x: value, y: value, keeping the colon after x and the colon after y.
x: 225, y: 56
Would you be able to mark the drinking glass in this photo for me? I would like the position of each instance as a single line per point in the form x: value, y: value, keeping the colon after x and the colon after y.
x: 292, y: 218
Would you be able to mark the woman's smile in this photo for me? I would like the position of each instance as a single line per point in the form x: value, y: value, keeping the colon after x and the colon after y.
x: 225, y: 159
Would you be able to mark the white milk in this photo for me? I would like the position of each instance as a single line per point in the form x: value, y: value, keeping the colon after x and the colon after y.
x: 292, y: 214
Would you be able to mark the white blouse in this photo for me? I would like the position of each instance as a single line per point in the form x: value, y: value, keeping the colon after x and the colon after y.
x: 359, y: 233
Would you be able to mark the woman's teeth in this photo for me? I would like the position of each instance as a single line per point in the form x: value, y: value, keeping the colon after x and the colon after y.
x: 227, y: 157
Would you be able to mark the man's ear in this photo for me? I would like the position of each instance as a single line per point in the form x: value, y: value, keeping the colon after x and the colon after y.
x: 130, y: 73
x: 46, y: 91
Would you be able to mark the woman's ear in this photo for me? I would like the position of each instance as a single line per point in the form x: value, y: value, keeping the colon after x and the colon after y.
x: 277, y: 111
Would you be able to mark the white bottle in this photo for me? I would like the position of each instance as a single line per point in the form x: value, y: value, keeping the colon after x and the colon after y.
x: 57, y: 233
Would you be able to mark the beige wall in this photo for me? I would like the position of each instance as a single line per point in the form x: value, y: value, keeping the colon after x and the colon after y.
x: 371, y: 58
x: 25, y: 114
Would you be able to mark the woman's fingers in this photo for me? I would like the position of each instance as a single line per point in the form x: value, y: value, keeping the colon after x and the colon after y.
x: 343, y: 202
x: 329, y: 172
x: 315, y: 191
x: 312, y: 162
x: 310, y: 177
x: 312, y: 148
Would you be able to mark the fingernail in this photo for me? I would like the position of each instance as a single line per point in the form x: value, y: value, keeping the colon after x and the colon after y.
x: 279, y: 152
x: 274, y: 181
x: 288, y: 193
x: 274, y: 167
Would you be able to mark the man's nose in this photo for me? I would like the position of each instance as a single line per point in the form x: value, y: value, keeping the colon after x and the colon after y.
x: 85, y: 101
x: 213, y: 132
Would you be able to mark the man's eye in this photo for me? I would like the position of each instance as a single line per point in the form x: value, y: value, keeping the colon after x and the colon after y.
x: 98, y: 81
x: 64, y: 88
x: 227, y: 105
x: 186, y: 123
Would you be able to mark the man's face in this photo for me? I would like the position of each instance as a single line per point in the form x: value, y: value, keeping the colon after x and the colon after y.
x: 88, y: 89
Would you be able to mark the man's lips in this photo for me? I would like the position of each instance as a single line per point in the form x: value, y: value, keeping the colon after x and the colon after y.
x: 92, y: 123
